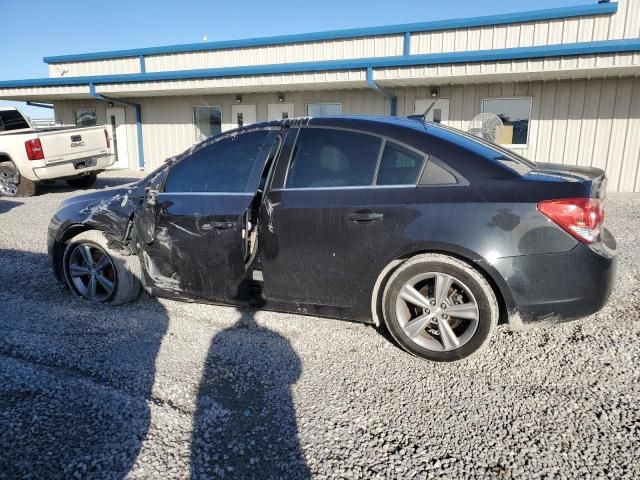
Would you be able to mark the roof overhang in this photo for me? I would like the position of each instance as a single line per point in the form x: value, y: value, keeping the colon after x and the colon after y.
x: 549, y: 62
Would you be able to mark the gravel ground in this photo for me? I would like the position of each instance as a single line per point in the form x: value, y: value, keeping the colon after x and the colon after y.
x: 161, y: 389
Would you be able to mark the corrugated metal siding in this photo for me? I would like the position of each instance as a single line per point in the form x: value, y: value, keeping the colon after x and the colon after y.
x: 286, y: 81
x: 623, y: 24
x: 525, y: 69
x: 302, y: 52
x: 580, y: 122
x: 95, y: 67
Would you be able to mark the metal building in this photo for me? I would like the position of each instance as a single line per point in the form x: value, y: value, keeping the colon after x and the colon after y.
x: 566, y: 81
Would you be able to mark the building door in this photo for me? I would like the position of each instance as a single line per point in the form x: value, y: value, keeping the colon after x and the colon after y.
x: 118, y: 133
x: 242, y: 115
x: 438, y: 114
x: 279, y: 111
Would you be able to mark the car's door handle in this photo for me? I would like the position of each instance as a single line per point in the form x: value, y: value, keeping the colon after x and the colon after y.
x: 217, y: 226
x: 365, y: 217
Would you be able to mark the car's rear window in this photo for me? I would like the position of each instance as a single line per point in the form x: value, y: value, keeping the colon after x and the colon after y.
x: 495, y: 152
x: 13, y: 120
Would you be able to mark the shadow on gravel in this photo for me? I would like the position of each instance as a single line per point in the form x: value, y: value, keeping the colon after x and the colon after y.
x: 245, y: 425
x: 76, y: 378
x: 6, y: 206
x: 103, y: 182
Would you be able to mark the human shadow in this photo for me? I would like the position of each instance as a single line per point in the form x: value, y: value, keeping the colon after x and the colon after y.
x: 245, y: 424
x: 76, y: 377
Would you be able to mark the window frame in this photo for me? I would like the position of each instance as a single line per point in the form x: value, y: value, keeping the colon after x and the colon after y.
x: 322, y: 103
x: 384, y: 139
x: 79, y: 109
x: 195, y: 124
x: 513, y: 146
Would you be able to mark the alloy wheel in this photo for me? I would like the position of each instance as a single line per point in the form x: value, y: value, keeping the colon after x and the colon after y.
x: 8, y: 182
x: 437, y: 311
x: 91, y: 271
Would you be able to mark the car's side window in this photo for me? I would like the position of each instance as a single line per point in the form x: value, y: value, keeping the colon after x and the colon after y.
x: 435, y: 174
x: 326, y: 157
x: 399, y: 165
x: 222, y: 166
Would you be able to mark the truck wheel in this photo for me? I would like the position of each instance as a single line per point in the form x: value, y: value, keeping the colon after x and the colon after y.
x: 98, y: 273
x: 439, y: 308
x: 85, y: 181
x: 12, y: 184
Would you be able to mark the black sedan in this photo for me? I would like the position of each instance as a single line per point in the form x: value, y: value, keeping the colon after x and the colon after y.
x: 430, y: 231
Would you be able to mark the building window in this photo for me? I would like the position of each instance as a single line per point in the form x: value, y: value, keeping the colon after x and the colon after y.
x: 85, y: 117
x: 208, y: 122
x: 515, y: 114
x: 324, y: 109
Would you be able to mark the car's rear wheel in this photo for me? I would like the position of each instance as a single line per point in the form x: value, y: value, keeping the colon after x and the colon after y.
x: 439, y: 308
x: 14, y: 185
x: 100, y: 274
x: 85, y: 181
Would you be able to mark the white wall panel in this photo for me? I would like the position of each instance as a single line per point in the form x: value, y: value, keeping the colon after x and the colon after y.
x: 623, y: 24
x: 389, y: 45
x: 95, y: 67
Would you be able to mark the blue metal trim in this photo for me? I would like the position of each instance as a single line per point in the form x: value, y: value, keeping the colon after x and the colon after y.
x: 530, y: 16
x: 406, y: 47
x: 92, y: 92
x: 542, y: 51
x: 143, y: 67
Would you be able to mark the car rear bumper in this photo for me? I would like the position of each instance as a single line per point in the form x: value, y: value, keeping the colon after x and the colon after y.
x: 560, y: 287
x: 69, y: 169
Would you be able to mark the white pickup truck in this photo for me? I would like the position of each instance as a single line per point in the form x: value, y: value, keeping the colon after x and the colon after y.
x: 29, y: 155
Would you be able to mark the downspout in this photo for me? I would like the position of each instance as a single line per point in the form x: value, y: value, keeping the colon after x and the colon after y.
x: 387, y: 94
x: 41, y: 105
x: 92, y: 92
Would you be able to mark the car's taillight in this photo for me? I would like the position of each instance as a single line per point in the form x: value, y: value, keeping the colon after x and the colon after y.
x: 581, y: 217
x: 34, y: 149
x: 106, y: 136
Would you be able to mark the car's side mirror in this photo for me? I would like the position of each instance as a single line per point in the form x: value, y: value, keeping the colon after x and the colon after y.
x: 150, y: 195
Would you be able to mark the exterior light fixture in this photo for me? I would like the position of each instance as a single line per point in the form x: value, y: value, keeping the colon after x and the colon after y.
x: 281, y: 97
x: 110, y: 104
x: 435, y: 91
x: 238, y: 98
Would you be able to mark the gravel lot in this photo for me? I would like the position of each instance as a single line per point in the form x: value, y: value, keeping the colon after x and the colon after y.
x: 161, y: 389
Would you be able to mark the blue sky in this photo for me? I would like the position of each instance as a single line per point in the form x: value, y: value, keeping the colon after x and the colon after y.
x: 38, y: 28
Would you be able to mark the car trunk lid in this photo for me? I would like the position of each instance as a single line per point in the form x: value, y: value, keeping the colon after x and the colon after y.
x: 593, y: 180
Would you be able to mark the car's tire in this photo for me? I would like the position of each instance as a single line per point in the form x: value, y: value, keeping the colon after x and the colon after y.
x: 86, y: 181
x: 12, y: 184
x: 115, y: 280
x: 418, y: 329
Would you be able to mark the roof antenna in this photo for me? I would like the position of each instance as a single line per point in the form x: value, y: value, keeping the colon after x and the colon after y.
x: 435, y: 93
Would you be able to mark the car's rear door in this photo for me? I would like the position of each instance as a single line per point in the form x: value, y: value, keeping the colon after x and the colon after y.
x: 193, y: 229
x: 336, y: 197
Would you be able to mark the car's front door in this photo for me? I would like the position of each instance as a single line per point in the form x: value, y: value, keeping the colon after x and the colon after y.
x: 331, y: 211
x: 193, y: 229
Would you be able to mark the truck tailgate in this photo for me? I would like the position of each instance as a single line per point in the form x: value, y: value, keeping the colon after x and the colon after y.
x: 72, y: 144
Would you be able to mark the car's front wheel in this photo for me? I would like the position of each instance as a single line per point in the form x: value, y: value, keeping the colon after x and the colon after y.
x: 98, y: 273
x: 439, y: 308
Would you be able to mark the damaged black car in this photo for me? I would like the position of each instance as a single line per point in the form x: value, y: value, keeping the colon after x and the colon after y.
x: 429, y: 231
